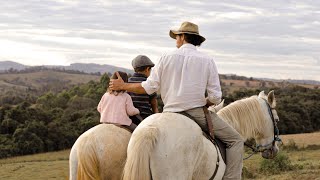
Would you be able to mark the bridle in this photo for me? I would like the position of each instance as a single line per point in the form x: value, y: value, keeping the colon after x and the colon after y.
x: 276, y: 137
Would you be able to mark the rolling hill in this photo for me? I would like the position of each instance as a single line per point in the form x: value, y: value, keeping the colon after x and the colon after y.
x: 82, y: 67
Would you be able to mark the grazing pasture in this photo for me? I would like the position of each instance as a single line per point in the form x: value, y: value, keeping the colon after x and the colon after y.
x: 305, y: 163
x: 303, y: 140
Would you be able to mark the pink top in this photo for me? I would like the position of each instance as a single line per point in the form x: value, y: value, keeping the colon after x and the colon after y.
x: 116, y: 109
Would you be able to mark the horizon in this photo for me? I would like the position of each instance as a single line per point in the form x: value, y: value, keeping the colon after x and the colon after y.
x: 276, y: 40
x: 227, y: 74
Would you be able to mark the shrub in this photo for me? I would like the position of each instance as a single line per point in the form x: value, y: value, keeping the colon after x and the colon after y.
x: 247, y: 174
x: 274, y: 166
x: 291, y: 146
x: 312, y: 147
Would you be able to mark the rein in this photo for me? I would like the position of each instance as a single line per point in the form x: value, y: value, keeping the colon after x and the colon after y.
x: 276, y: 137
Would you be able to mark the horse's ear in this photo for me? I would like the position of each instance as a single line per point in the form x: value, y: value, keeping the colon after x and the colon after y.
x: 271, y: 98
x: 262, y: 94
x: 217, y: 107
x: 220, y: 105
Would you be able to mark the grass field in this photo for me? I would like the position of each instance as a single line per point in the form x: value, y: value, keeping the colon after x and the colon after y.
x: 44, y: 166
x: 303, y: 140
x: 55, y: 165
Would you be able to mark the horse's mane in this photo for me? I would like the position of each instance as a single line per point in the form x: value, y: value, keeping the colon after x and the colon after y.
x: 246, y: 116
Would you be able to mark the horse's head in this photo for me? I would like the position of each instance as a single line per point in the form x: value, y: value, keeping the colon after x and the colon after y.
x: 266, y: 144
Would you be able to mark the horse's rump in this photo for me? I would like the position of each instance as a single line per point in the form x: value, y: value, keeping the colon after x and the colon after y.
x: 170, y: 134
x: 101, y: 152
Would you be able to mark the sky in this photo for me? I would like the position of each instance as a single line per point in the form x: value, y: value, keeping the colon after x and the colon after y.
x: 268, y: 39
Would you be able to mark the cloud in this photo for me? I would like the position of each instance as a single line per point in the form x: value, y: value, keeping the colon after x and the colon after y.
x: 244, y: 37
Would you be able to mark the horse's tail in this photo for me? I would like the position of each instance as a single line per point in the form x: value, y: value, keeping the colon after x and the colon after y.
x: 141, y: 145
x: 87, y: 160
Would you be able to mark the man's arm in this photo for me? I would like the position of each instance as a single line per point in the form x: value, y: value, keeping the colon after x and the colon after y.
x: 154, y: 104
x: 119, y: 84
x: 213, y: 86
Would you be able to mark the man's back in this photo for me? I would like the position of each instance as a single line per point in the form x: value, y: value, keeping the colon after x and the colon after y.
x: 188, y: 72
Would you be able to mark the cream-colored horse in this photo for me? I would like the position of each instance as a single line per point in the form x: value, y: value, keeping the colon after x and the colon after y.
x: 99, y: 153
x: 170, y: 146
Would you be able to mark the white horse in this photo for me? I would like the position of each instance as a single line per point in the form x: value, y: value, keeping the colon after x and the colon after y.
x: 170, y: 146
x: 99, y: 153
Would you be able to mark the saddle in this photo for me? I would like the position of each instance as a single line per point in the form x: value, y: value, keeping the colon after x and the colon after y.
x: 218, y: 143
x: 124, y: 127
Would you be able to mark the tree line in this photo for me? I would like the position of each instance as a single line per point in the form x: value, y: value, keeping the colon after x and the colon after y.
x: 44, y: 68
x: 53, y: 121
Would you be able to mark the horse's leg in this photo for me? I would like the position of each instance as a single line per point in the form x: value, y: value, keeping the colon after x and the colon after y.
x: 73, y: 162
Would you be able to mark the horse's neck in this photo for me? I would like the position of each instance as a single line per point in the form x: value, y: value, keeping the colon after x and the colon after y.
x: 245, y: 116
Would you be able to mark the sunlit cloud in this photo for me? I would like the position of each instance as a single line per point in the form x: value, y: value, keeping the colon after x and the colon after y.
x: 253, y: 38
x: 30, y: 54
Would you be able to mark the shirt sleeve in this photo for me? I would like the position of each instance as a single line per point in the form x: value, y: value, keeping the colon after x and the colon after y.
x: 131, y: 110
x: 99, y: 108
x: 213, y: 84
x: 152, y: 84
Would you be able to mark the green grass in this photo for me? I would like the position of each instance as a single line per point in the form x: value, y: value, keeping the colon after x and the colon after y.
x: 305, y: 166
x: 52, y: 165
x: 55, y: 165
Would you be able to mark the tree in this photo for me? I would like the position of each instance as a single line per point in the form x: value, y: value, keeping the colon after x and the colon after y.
x: 79, y: 103
x: 263, y: 84
x: 104, y: 81
x: 8, y: 126
x: 47, y: 100
x: 27, y: 142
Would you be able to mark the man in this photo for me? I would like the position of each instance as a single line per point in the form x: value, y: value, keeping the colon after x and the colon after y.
x: 147, y: 104
x: 183, y: 76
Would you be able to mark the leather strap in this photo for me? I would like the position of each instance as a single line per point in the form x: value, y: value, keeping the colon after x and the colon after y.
x: 209, y: 121
x: 217, y: 164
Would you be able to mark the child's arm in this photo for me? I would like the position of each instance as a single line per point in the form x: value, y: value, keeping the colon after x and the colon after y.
x: 131, y: 110
x: 154, y: 104
x: 100, y: 104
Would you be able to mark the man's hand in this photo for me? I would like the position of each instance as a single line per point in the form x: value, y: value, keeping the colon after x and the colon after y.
x: 116, y: 84
x: 209, y: 103
x: 119, y: 84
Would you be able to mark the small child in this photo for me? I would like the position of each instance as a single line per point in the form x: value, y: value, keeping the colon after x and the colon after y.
x: 115, y: 107
x: 147, y: 104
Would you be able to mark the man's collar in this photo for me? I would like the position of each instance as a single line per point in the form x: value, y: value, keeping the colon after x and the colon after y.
x: 188, y: 45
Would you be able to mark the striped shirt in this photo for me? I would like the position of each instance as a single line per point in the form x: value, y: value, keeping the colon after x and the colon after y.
x: 141, y: 101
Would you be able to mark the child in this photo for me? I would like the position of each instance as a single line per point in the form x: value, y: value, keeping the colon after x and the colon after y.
x: 147, y: 104
x: 115, y: 107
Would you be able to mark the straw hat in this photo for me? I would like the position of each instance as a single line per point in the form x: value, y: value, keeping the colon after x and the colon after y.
x: 187, y: 28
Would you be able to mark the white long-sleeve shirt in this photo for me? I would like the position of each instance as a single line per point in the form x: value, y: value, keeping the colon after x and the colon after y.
x: 183, y: 76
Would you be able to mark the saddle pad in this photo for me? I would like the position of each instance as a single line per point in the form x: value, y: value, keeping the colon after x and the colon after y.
x: 124, y: 127
x: 217, y: 142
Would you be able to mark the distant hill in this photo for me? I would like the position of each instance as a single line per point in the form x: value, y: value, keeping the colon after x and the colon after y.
x: 293, y: 81
x: 6, y: 65
x: 97, y: 68
x: 83, y: 67
x: 93, y: 68
x: 15, y: 87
